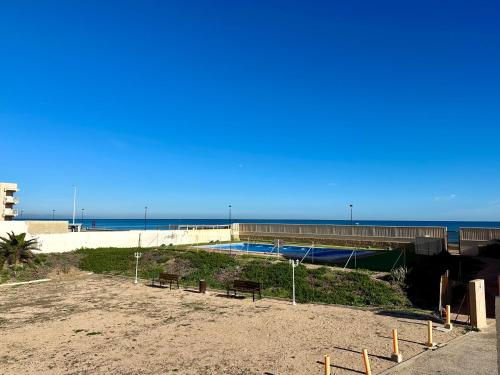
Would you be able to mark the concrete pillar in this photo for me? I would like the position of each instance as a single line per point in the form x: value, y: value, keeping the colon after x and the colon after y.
x: 497, y: 316
x: 477, y: 303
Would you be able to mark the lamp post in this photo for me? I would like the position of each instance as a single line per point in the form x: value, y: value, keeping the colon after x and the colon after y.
x: 83, y: 209
x: 145, y: 216
x: 74, y: 204
x: 53, y: 214
x: 230, y: 231
x: 293, y: 263
x: 137, y: 256
x: 355, y: 254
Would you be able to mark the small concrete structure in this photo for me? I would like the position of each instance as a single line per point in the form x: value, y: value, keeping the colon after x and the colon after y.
x: 477, y: 303
x: 46, y: 226
x: 497, y: 316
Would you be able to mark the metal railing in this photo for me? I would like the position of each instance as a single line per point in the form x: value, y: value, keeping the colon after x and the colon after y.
x: 9, y: 212
x: 328, y: 230
x: 10, y: 199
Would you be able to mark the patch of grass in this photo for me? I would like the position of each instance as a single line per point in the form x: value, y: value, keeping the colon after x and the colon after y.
x: 322, y: 284
x: 382, y: 260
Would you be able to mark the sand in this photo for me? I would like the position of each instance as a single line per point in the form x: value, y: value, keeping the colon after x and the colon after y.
x: 91, y: 324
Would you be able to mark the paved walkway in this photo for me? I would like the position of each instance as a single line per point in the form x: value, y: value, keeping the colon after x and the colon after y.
x: 474, y: 353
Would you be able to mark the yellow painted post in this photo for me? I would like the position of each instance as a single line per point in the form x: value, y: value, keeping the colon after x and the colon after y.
x: 395, y: 356
x: 448, y: 324
x: 327, y: 364
x: 366, y: 361
x: 429, y: 344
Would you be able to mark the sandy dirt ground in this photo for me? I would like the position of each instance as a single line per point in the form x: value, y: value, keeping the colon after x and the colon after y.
x: 103, y: 325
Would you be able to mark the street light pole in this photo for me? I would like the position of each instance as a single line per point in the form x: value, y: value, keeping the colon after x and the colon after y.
x: 145, y: 216
x: 83, y: 209
x: 294, y: 263
x: 230, y: 231
x: 355, y: 253
x: 53, y: 214
x: 74, y: 204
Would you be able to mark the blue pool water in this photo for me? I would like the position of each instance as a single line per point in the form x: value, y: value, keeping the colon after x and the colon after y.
x: 293, y: 252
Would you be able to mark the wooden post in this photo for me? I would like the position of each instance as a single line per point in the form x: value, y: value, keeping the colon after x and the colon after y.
x: 448, y: 324
x: 327, y: 364
x: 444, y: 292
x: 477, y: 303
x: 497, y: 315
x: 366, y: 361
x: 429, y: 343
x: 395, y: 356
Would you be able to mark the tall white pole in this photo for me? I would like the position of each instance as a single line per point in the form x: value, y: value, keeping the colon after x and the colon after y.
x: 294, y: 264
x: 137, y: 256
x: 74, y: 204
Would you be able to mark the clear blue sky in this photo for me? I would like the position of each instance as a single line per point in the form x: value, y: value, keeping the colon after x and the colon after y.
x: 284, y: 109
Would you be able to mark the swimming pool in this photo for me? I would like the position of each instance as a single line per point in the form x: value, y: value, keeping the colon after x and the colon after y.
x: 319, y: 254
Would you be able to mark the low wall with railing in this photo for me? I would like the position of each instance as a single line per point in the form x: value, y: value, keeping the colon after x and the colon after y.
x: 472, y: 239
x: 355, y: 235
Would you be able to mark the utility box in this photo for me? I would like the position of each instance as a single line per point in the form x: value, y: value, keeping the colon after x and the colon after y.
x: 477, y: 303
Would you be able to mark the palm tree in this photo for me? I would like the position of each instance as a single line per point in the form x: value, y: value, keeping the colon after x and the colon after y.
x: 15, y: 249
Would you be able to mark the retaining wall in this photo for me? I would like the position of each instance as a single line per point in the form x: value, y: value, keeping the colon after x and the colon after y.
x: 63, y: 242
x: 471, y: 239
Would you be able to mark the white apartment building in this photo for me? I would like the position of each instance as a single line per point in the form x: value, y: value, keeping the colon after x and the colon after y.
x: 7, y: 201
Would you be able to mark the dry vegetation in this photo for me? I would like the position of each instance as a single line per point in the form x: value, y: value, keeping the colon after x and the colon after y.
x: 93, y: 324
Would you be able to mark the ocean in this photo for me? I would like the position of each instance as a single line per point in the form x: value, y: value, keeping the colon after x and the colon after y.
x: 126, y: 224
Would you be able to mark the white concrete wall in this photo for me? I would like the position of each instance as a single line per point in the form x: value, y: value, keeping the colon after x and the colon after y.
x: 62, y: 242
x: 12, y: 226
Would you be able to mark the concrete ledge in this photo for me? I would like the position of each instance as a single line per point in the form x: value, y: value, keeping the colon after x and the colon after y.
x: 26, y: 282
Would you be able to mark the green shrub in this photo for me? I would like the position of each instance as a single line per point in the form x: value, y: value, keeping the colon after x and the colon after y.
x: 322, y: 284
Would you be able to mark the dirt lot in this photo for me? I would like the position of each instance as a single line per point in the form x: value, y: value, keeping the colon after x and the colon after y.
x: 99, y: 325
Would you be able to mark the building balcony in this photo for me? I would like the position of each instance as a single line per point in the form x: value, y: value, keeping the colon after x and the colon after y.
x: 10, y: 199
x: 7, y: 187
x: 9, y: 212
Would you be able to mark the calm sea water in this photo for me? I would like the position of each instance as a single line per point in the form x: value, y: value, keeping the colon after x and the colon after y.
x: 125, y: 224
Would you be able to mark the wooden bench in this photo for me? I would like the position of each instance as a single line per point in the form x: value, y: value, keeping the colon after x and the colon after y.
x: 166, y: 278
x: 245, y: 286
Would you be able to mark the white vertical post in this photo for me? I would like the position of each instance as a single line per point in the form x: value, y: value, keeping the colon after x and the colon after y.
x: 137, y: 256
x: 74, y: 204
x: 294, y: 264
